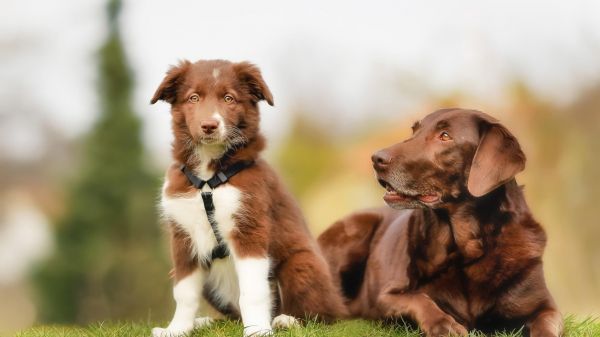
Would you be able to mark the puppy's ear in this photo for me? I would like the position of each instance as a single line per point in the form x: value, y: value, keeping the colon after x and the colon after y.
x: 249, y: 75
x: 497, y: 160
x: 167, y: 90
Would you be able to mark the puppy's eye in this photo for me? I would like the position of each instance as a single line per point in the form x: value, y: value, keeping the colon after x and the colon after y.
x: 195, y: 98
x: 445, y: 136
x: 228, y: 99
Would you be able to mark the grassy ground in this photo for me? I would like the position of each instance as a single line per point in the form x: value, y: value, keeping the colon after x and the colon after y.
x: 355, y: 328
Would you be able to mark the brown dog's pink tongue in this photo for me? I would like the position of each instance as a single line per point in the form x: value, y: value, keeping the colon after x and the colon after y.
x: 428, y: 198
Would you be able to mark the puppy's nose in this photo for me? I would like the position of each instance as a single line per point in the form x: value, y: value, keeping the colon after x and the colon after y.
x: 209, y: 126
x: 381, y: 160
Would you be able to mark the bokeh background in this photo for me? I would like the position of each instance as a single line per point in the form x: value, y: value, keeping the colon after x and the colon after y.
x: 82, y: 151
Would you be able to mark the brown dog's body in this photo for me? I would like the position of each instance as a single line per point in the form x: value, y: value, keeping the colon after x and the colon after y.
x: 469, y: 253
x: 274, y: 264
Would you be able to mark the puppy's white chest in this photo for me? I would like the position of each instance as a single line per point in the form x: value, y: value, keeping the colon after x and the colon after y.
x: 189, y: 214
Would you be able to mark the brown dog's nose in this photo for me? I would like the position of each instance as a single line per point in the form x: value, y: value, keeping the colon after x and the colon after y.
x: 209, y: 126
x: 381, y: 160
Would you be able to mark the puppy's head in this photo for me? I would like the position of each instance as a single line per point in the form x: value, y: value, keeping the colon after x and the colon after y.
x: 452, y: 154
x: 214, y: 102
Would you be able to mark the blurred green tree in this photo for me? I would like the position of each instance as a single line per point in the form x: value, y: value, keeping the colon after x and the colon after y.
x: 109, y: 258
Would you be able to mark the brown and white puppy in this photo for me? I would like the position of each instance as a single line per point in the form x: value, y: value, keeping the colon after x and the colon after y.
x: 274, y: 267
x: 459, y: 249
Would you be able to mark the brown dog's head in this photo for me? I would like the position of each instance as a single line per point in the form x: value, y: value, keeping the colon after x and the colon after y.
x: 453, y: 154
x: 214, y: 102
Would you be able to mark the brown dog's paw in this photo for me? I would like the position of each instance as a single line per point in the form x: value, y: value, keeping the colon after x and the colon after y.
x: 442, y: 327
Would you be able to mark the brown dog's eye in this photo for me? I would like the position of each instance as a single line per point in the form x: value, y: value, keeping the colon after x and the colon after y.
x: 229, y: 99
x: 194, y: 98
x: 444, y: 136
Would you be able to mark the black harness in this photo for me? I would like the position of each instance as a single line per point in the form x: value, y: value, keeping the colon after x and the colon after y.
x: 221, y: 250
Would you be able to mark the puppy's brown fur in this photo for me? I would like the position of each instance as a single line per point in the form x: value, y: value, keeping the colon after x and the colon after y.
x: 271, y: 224
x: 461, y: 249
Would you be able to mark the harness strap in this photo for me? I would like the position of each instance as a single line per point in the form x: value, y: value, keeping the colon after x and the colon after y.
x: 218, y: 179
x: 221, y: 250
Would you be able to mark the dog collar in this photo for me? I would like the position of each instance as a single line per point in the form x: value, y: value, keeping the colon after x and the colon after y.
x: 221, y: 177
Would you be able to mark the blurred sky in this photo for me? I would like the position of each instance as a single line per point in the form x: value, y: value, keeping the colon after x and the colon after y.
x: 344, y: 54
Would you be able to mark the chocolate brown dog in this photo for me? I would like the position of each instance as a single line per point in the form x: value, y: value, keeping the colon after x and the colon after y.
x: 460, y: 249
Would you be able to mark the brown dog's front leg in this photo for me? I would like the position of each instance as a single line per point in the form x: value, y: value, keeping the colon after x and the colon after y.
x: 422, y: 309
x: 547, y: 323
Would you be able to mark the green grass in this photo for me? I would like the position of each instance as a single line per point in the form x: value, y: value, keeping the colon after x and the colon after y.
x: 355, y: 328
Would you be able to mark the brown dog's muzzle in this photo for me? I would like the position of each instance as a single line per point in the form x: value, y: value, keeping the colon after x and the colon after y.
x: 381, y: 161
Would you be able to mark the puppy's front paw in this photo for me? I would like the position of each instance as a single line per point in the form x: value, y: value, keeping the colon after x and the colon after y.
x: 256, y: 331
x: 170, y: 332
x: 444, y: 326
x: 202, y: 322
x: 284, y: 321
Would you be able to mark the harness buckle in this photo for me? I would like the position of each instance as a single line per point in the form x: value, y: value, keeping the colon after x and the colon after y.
x: 222, y: 177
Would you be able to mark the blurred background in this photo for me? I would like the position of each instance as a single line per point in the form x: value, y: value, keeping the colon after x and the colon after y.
x: 82, y: 152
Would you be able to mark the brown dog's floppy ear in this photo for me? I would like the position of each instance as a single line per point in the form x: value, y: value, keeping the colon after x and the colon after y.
x: 167, y: 90
x: 497, y: 160
x: 249, y: 74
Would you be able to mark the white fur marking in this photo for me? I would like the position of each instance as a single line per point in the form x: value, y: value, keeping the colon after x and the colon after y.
x: 204, y: 154
x: 216, y: 115
x: 284, y: 321
x: 223, y: 281
x: 255, y: 295
x: 216, y: 72
x: 187, y: 294
x: 189, y: 214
